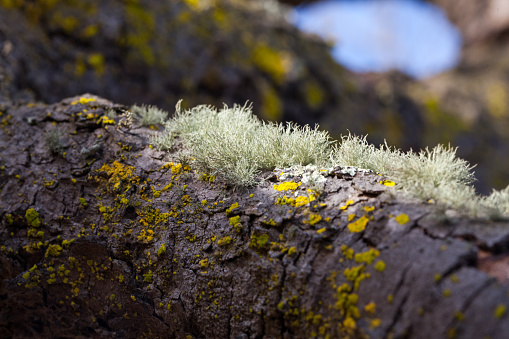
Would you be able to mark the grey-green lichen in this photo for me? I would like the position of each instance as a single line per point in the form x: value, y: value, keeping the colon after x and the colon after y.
x: 234, y: 144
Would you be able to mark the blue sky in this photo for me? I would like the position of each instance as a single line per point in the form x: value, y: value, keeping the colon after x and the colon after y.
x: 379, y: 35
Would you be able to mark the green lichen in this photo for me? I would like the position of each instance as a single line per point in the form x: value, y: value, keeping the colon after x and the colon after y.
x: 32, y: 217
x: 259, y: 241
x: 83, y: 202
x: 161, y: 250
x: 224, y: 241
x: 367, y: 256
x: 53, y: 250
x: 233, y: 207
x: 148, y: 277
x: 235, y: 222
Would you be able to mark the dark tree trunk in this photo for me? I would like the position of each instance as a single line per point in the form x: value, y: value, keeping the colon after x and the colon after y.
x: 107, y: 237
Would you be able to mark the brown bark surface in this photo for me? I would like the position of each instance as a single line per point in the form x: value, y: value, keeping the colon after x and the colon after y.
x: 108, y: 237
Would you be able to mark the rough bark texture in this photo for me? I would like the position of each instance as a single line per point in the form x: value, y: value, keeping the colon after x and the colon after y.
x: 107, y: 237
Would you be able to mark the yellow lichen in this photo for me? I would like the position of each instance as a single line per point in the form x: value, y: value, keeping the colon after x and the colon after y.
x: 347, y: 252
x: 32, y: 217
x: 388, y: 183
x: 500, y: 311
x: 367, y: 256
x: 224, y: 241
x: 313, y: 219
x: 370, y: 308
x: 82, y: 101
x: 345, y: 206
x: 359, y: 225
x: 119, y: 174
x: 380, y: 266
x: 231, y: 208
x: 374, y: 323
x: 402, y: 219
x: 285, y: 186
x: 53, y: 250
x: 161, y: 250
x: 146, y: 236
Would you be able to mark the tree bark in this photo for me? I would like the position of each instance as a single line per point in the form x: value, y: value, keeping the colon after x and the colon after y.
x: 109, y: 237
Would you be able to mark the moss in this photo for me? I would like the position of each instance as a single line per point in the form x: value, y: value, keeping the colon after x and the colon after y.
x: 32, y: 217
